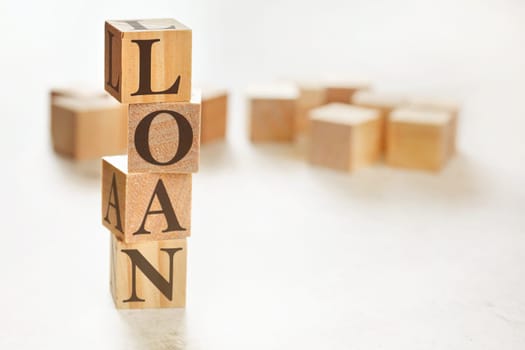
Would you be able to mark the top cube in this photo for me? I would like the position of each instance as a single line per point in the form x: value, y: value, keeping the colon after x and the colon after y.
x: 148, y: 60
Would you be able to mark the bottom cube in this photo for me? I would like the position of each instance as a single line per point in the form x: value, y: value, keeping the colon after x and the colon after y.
x: 148, y: 275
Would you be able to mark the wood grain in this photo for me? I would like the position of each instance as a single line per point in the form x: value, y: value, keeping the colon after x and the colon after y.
x: 139, y: 194
x: 170, y: 59
x: 88, y: 128
x: 165, y: 139
x: 156, y: 254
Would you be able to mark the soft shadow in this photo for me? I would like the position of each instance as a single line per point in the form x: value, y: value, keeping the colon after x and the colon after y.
x: 216, y: 155
x: 156, y: 329
x: 83, y: 170
x: 294, y: 151
x: 461, y: 179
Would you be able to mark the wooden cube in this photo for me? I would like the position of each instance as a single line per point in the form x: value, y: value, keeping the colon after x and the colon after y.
x: 149, y: 274
x: 164, y: 137
x: 418, y: 139
x: 341, y: 91
x: 310, y: 97
x: 440, y: 104
x: 148, y: 60
x: 383, y: 102
x: 213, y: 115
x: 344, y: 137
x: 272, y: 113
x: 88, y: 128
x: 144, y: 206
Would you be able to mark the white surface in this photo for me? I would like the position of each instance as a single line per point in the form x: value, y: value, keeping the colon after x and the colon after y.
x: 283, y: 255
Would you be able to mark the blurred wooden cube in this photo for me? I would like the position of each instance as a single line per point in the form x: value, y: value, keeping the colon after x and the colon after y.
x: 88, y: 128
x: 144, y: 206
x: 272, y: 113
x: 383, y: 102
x: 441, y: 104
x: 341, y: 91
x: 419, y: 139
x: 310, y: 96
x: 149, y: 274
x: 344, y: 137
x: 214, y: 113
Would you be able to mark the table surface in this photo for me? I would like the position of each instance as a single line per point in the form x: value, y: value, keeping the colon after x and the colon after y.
x: 283, y: 255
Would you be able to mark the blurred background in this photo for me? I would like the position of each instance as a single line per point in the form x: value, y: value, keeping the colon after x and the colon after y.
x: 283, y: 255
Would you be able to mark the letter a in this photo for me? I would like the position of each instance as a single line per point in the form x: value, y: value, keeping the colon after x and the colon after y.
x: 167, y: 210
x: 114, y: 204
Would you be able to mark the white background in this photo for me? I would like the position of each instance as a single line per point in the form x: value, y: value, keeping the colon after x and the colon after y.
x: 283, y: 255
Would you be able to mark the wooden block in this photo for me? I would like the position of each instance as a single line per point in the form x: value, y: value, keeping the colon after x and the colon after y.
x: 272, y: 113
x: 445, y: 105
x: 310, y: 97
x: 383, y: 102
x: 418, y: 139
x: 148, y: 60
x: 149, y: 274
x: 144, y: 206
x: 165, y: 137
x: 343, y: 91
x: 213, y: 115
x: 88, y: 128
x: 344, y: 137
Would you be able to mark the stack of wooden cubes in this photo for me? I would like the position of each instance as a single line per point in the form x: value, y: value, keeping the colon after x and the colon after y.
x: 146, y: 195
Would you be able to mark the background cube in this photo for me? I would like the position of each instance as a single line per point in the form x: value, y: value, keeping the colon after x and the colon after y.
x: 272, y: 113
x: 88, y: 128
x: 214, y: 113
x: 344, y: 137
x: 419, y: 139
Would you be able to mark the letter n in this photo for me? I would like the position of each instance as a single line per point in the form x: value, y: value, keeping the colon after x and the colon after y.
x: 165, y: 286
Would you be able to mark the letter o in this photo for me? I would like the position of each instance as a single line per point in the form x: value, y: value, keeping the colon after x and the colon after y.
x: 142, y: 137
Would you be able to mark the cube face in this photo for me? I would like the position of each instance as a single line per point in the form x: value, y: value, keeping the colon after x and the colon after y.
x: 309, y: 98
x: 417, y: 146
x: 164, y: 137
x: 148, y: 275
x: 367, y: 143
x: 88, y: 128
x: 148, y: 61
x: 330, y: 145
x: 272, y: 120
x: 143, y: 207
x: 213, y: 117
